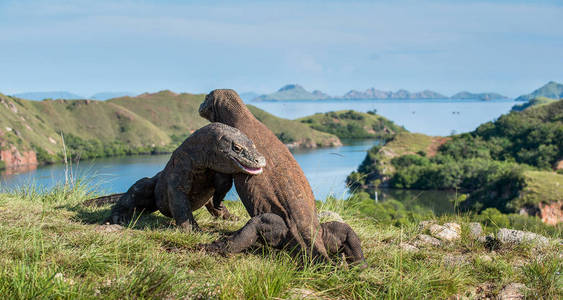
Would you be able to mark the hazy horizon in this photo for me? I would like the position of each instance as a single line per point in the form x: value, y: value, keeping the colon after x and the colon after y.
x: 86, y: 47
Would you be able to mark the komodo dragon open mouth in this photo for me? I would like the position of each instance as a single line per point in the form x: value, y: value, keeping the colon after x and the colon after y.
x: 246, y: 169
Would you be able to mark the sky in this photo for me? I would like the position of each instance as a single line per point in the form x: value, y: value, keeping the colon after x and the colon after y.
x: 85, y: 47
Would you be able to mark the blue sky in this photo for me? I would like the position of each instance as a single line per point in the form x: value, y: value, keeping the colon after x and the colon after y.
x: 511, y: 47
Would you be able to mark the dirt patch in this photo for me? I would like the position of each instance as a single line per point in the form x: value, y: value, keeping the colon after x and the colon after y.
x: 437, y: 141
x: 551, y: 213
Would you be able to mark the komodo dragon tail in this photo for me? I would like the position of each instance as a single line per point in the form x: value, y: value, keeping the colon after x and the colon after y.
x: 103, y: 200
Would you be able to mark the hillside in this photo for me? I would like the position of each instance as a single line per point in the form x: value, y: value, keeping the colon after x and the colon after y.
x: 491, y: 164
x: 350, y: 124
x: 534, y: 102
x: 552, y: 90
x: 293, y: 133
x: 53, y: 247
x: 108, y: 95
x: 479, y: 96
x: 293, y: 92
x: 148, y: 123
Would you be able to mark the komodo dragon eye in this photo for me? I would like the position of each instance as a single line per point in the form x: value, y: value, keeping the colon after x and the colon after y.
x: 237, y: 148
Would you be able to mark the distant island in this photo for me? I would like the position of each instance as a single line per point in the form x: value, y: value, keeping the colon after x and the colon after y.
x: 552, y: 89
x: 297, y: 92
x: 38, y: 96
x: 480, y: 96
x: 293, y: 92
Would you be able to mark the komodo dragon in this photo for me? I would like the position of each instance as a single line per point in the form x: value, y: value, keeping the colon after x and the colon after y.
x: 188, y: 180
x: 281, y: 190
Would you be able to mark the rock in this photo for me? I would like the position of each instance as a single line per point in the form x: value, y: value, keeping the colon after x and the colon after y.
x: 453, y: 226
x: 517, y: 237
x: 512, y: 291
x: 448, y: 232
x: 328, y: 216
x: 303, y: 293
x: 486, y: 258
x: 451, y: 260
x: 425, y: 225
x: 426, y: 240
x: 475, y: 230
x: 408, y: 247
x: 109, y: 228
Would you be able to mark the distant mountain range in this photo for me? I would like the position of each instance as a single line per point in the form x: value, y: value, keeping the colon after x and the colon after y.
x: 480, y: 96
x: 48, y: 95
x: 297, y: 92
x: 551, y: 90
x: 38, y: 96
x: 293, y: 92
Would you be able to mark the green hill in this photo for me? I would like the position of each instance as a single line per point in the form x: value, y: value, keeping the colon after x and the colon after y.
x: 494, y: 164
x: 147, y: 123
x: 534, y: 102
x: 353, y: 125
x: 552, y: 90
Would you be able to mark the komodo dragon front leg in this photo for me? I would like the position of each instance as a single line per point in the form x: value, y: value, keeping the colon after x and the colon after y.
x: 222, y: 184
x: 140, y: 198
x: 178, y: 202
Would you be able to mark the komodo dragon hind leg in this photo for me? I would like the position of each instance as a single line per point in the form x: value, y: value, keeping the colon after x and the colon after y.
x: 268, y: 228
x: 139, y: 197
x: 339, y: 238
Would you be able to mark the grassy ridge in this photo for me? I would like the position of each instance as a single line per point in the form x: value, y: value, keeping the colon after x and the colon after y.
x: 353, y: 125
x: 289, y: 131
x: 492, y: 164
x: 538, y: 101
x: 147, y: 123
x: 52, y: 248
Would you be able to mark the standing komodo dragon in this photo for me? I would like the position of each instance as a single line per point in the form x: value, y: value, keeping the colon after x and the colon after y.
x: 280, y: 201
x: 189, y: 179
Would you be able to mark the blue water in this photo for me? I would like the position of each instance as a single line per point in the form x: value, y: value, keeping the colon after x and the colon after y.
x: 325, y: 168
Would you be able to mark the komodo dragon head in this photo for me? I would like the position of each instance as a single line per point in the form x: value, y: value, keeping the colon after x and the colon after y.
x: 210, y: 108
x: 232, y: 151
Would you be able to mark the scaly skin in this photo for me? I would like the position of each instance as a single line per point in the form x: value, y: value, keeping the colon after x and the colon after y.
x: 188, y: 180
x: 270, y: 229
x: 281, y: 190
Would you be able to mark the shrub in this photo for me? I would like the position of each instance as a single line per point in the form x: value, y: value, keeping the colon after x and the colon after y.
x: 493, y: 217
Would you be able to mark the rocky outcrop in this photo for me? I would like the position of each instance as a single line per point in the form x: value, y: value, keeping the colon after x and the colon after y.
x: 516, y: 237
x: 13, y: 158
x: 551, y: 213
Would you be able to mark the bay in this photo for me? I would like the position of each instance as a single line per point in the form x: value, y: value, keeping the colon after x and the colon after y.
x: 325, y: 168
x: 428, y: 116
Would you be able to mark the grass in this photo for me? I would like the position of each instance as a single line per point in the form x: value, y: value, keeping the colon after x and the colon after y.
x: 53, y: 247
x: 352, y: 124
x: 535, y: 102
x: 541, y: 187
x: 148, y: 122
x: 405, y: 143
